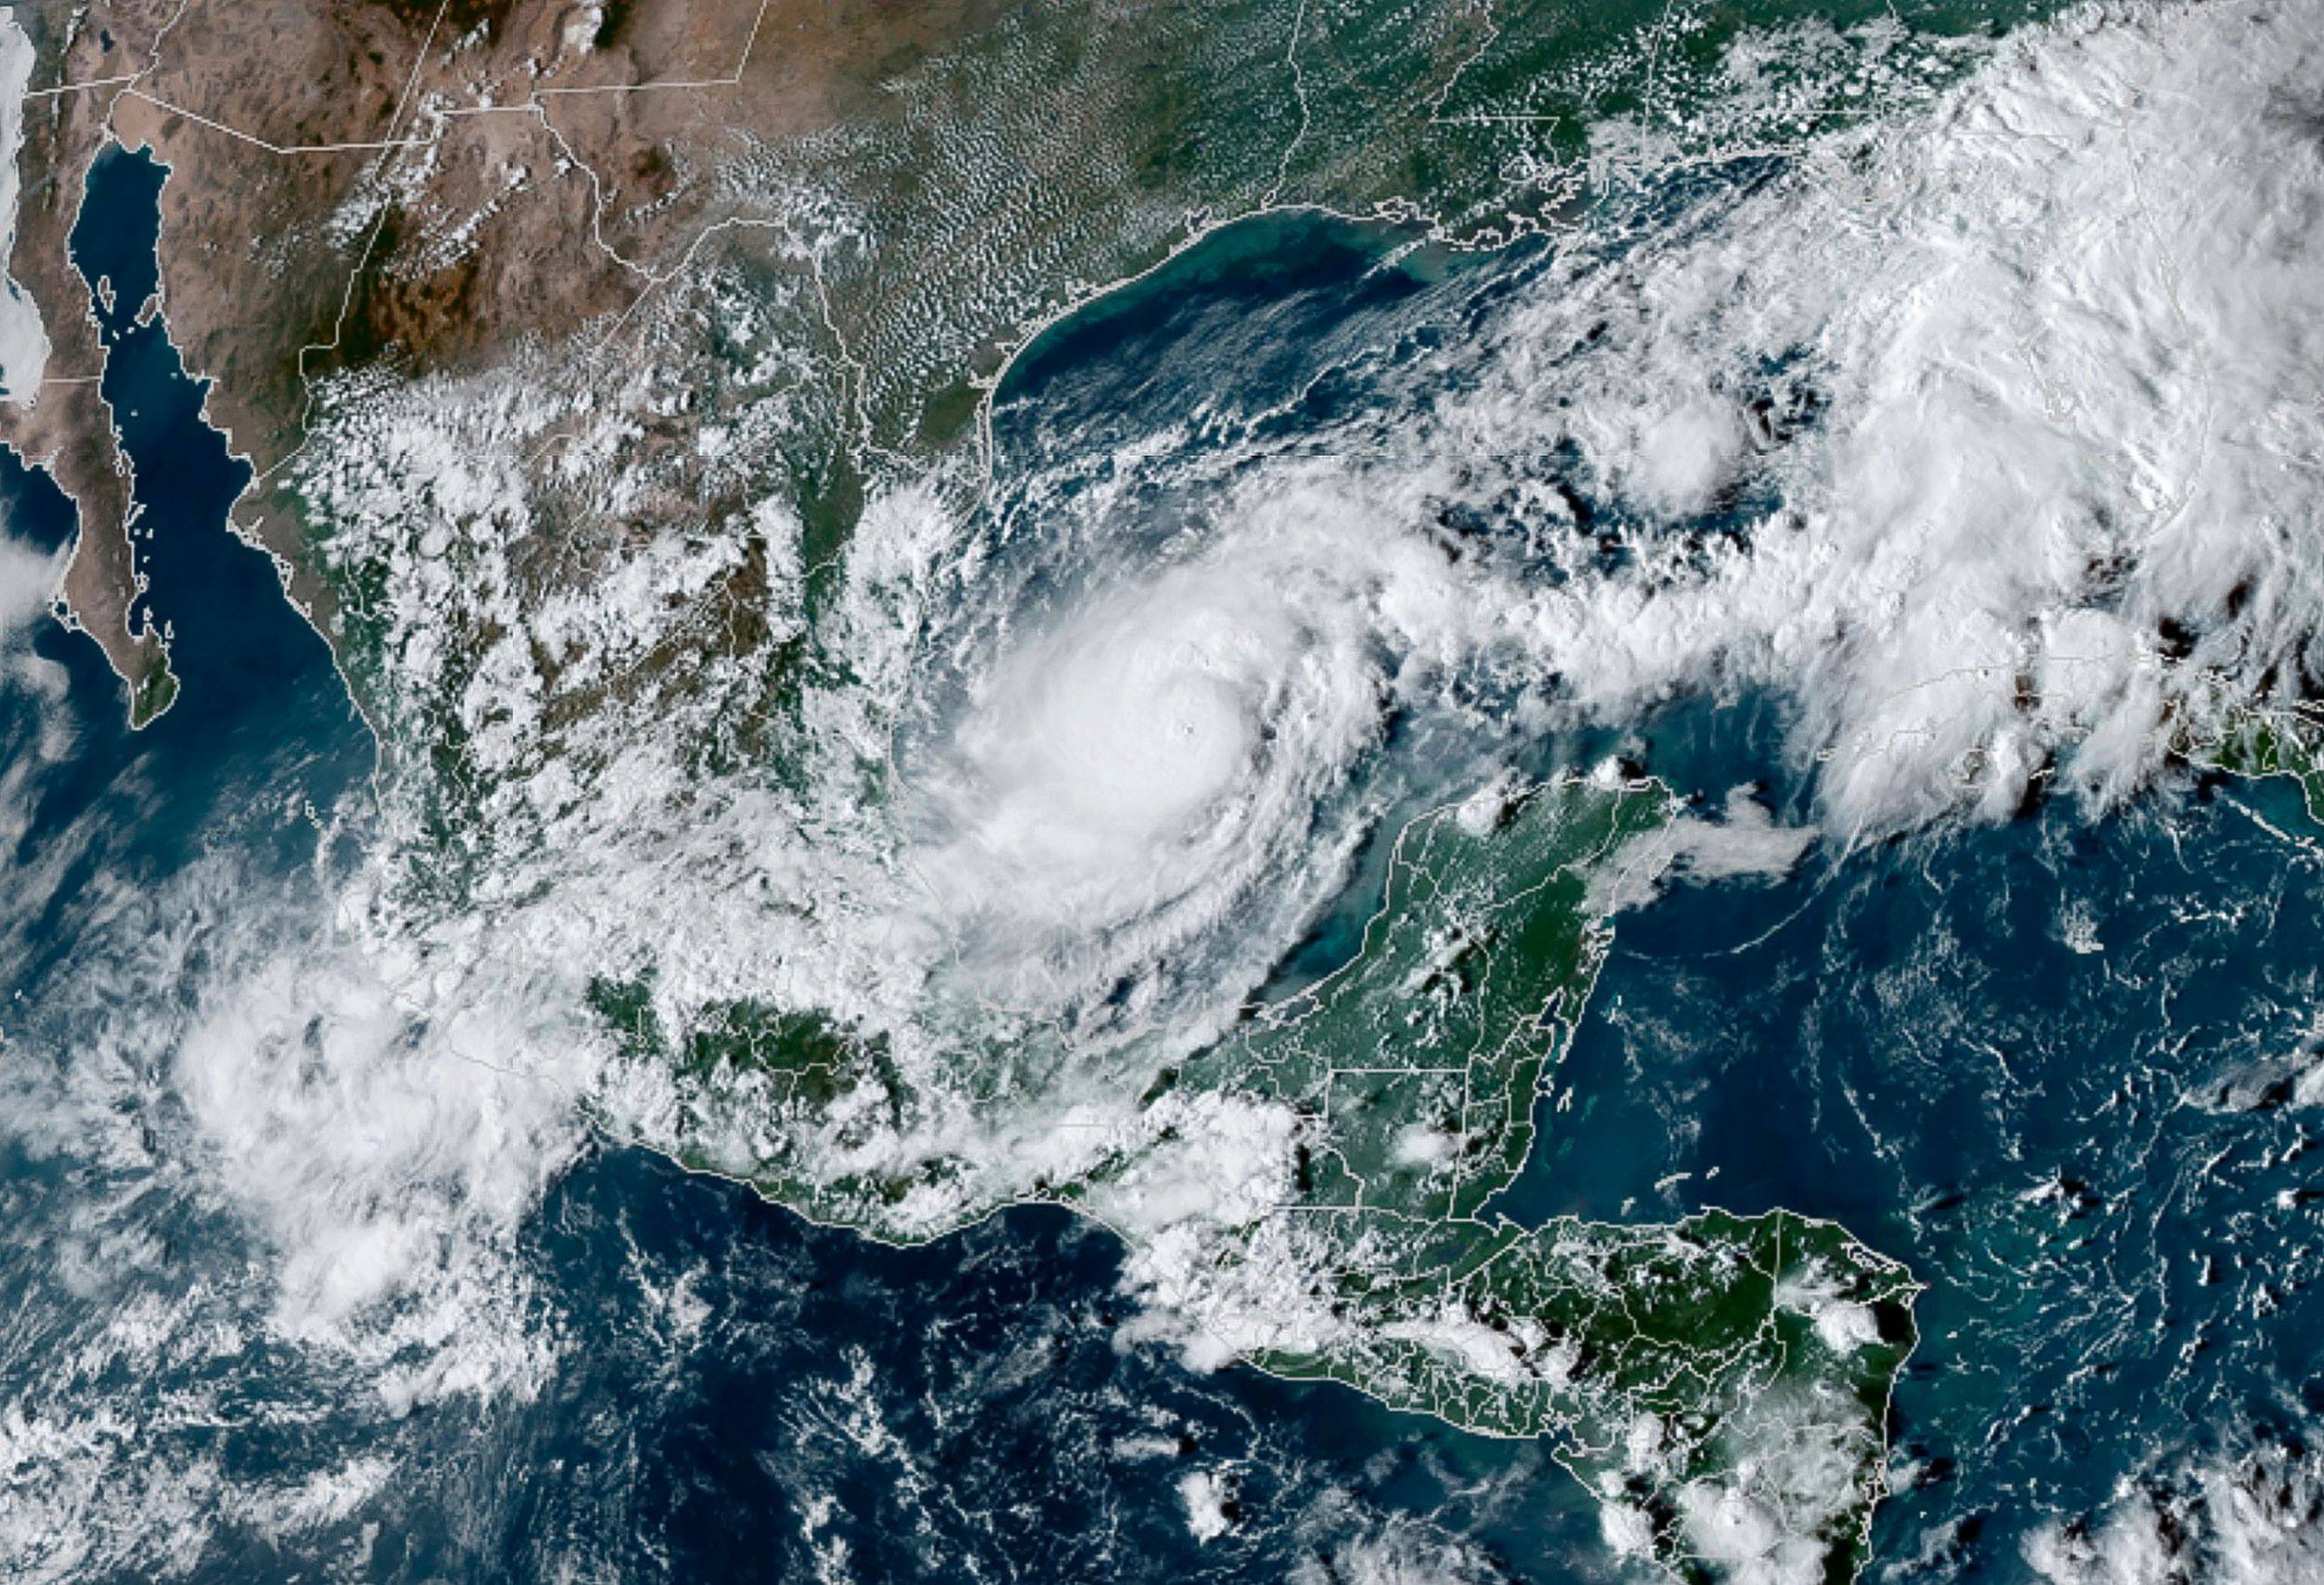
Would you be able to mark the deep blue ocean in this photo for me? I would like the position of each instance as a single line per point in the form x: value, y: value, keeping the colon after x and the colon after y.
x: 2048, y: 1064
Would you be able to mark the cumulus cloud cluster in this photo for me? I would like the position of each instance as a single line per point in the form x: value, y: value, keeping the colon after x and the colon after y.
x: 2253, y: 1516
x: 2012, y: 418
x: 1988, y: 441
x: 1982, y: 439
x: 1978, y: 436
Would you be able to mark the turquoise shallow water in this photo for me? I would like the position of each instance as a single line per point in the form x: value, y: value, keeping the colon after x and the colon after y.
x: 1020, y: 1442
x: 2050, y: 1064
x: 2045, y: 1064
x: 2023, y: 1059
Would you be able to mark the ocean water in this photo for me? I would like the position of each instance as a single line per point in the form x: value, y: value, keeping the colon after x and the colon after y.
x: 739, y: 1395
x: 2051, y: 1064
x: 2054, y: 1067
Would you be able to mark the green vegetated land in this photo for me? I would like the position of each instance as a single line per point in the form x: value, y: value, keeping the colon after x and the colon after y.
x: 839, y: 338
x: 1658, y: 1359
x: 2278, y: 739
x: 1069, y: 145
x: 1063, y: 150
x: 1668, y: 1364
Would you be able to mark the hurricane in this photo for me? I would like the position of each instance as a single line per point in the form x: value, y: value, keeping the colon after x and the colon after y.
x: 1825, y: 573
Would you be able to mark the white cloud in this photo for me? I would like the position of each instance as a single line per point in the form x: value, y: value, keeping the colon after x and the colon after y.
x: 1206, y: 1494
x: 1745, y: 843
x: 2227, y: 1517
x: 2027, y: 376
x: 2063, y: 335
x: 1390, y: 1552
x: 2052, y: 355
